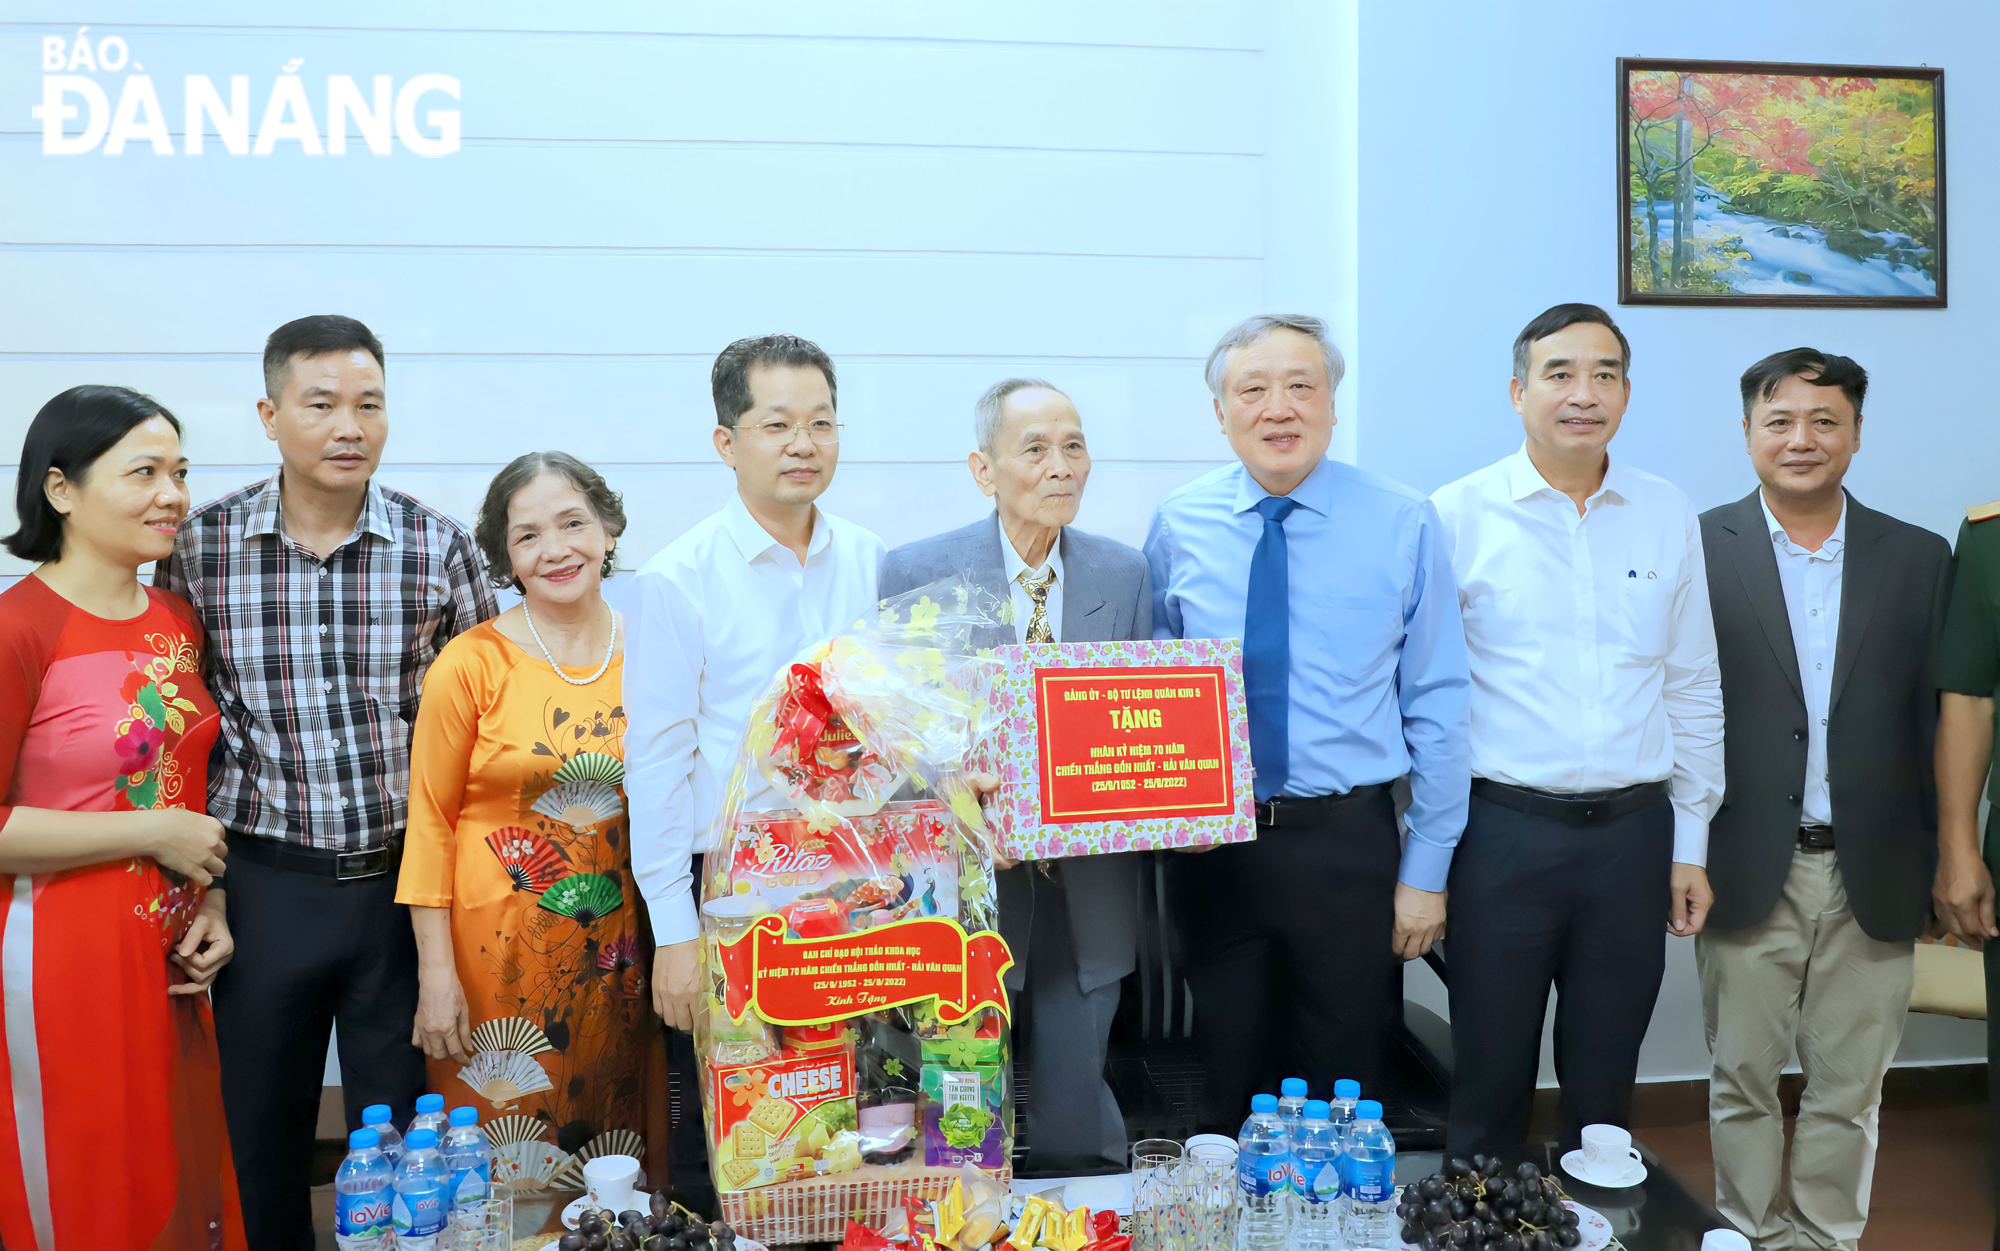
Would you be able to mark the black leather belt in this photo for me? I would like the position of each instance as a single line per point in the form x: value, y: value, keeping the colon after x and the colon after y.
x: 1815, y: 838
x: 342, y: 866
x: 1593, y: 808
x: 1282, y: 810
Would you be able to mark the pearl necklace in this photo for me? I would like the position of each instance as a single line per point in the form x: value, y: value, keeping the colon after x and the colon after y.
x: 608, y: 651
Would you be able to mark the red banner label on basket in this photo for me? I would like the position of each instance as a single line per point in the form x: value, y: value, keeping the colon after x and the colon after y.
x: 1125, y: 744
x: 812, y: 981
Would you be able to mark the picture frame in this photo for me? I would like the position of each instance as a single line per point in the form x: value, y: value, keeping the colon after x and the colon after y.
x: 1757, y: 184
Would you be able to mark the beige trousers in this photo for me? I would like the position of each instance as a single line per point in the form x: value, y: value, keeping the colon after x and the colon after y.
x: 1806, y: 976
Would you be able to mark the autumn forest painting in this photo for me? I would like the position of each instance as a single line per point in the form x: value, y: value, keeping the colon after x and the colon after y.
x: 1769, y: 185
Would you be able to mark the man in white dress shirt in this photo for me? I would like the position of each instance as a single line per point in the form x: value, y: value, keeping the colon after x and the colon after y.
x: 720, y: 611
x: 1596, y: 743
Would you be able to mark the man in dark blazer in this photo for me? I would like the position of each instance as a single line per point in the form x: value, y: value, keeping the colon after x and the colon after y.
x: 1826, y: 621
x: 1071, y: 924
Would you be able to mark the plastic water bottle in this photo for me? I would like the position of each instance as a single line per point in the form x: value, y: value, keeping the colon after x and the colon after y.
x: 364, y: 1190
x: 1369, y: 1182
x: 1316, y: 1182
x: 1292, y: 1102
x: 1341, y: 1112
x: 470, y: 1159
x: 1263, y: 1161
x: 423, y: 1193
x: 376, y: 1117
x: 1340, y: 1108
x: 430, y: 1115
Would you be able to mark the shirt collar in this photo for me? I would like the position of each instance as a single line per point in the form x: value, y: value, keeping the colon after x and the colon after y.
x: 754, y: 541
x: 266, y: 513
x: 1524, y: 481
x: 1315, y: 493
x: 1827, y: 550
x: 1017, y: 566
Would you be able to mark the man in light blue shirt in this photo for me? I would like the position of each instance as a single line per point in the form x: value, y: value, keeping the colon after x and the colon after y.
x: 1355, y: 668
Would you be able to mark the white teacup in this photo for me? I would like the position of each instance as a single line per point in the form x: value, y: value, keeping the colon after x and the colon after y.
x: 1724, y: 1240
x: 612, y: 1181
x: 1608, y: 1152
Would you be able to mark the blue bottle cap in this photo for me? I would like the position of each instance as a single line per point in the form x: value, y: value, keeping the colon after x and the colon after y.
x: 430, y: 1103
x: 1315, y: 1109
x: 375, y: 1114
x: 1368, y: 1110
x: 464, y: 1116
x: 1263, y: 1103
x: 425, y: 1139
x: 362, y: 1138
x: 1294, y: 1087
x: 1347, y: 1088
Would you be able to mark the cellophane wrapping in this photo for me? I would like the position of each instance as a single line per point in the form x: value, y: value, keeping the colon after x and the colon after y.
x: 865, y: 739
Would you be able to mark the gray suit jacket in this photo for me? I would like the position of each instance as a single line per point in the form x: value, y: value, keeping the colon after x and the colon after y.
x: 1107, y: 597
x: 1882, y: 717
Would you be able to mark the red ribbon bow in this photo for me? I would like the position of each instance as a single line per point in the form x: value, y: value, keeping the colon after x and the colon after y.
x: 804, y: 715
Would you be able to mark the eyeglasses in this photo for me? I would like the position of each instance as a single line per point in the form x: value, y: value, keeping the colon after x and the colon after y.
x: 774, y: 433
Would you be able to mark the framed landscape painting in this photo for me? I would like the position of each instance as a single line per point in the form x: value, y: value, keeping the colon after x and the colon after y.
x: 1746, y: 183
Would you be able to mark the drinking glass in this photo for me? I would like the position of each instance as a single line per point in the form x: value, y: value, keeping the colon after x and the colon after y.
x: 1208, y: 1196
x: 1159, y: 1218
x: 492, y: 1231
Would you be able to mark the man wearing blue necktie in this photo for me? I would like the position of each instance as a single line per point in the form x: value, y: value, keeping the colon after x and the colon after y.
x: 1355, y: 670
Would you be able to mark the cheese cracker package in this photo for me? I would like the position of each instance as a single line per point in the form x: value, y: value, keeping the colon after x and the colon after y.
x: 780, y: 1117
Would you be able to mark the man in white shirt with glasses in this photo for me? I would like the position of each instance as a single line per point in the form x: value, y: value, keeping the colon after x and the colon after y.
x: 719, y: 611
x: 1596, y: 743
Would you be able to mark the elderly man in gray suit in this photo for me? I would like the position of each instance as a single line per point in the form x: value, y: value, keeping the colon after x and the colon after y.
x: 1070, y: 923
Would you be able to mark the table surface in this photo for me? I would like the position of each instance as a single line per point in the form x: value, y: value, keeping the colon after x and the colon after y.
x: 1658, y: 1214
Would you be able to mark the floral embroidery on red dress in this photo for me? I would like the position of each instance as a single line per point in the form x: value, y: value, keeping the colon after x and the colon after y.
x: 155, y: 720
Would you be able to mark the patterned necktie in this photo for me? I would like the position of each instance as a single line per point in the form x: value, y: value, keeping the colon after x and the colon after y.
x: 1038, y: 591
x: 1267, y: 650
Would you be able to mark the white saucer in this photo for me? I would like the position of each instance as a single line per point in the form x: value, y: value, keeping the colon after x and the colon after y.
x: 1572, y: 1163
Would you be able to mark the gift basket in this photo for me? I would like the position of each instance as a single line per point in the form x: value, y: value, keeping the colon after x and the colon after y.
x: 852, y: 1033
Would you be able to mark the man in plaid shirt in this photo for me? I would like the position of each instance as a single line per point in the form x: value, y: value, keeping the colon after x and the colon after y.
x: 325, y: 598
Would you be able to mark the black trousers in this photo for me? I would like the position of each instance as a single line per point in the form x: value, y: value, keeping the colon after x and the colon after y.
x: 1287, y: 943
x: 687, y: 1141
x: 310, y: 952
x: 1537, y: 902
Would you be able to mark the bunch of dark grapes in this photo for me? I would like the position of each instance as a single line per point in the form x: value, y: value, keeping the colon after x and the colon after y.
x: 667, y: 1227
x: 1477, y: 1204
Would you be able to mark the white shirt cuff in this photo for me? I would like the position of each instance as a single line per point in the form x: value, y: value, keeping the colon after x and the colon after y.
x: 1690, y: 839
x: 674, y: 918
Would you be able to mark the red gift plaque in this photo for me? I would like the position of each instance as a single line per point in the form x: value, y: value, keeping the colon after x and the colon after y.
x: 1110, y: 747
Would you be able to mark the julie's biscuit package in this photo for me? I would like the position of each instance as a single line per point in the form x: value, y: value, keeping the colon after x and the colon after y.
x: 789, y: 1116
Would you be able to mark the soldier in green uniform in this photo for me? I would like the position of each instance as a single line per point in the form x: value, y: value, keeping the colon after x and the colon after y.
x: 1969, y: 673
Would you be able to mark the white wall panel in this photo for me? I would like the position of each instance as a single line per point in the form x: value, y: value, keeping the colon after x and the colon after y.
x: 635, y: 87
x: 653, y: 409
x: 587, y: 194
x: 1142, y: 23
x: 590, y: 302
